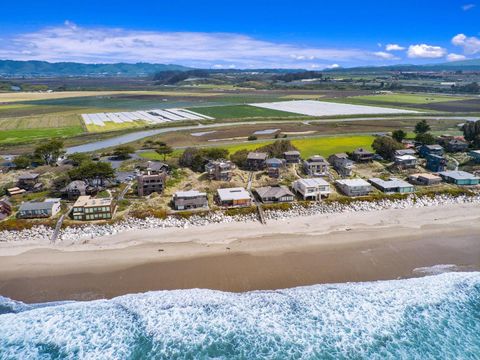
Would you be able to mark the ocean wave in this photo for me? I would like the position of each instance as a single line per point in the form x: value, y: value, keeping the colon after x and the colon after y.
x: 431, y: 317
x: 436, y: 269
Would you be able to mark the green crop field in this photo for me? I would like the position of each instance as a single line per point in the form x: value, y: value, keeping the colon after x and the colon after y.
x: 21, y: 124
x: 239, y: 111
x: 330, y: 145
x: 111, y: 126
x: 405, y: 98
x: 324, y: 146
x: 19, y: 136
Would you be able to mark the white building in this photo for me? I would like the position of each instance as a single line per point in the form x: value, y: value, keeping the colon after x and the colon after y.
x: 234, y: 197
x: 354, y: 187
x: 312, y: 189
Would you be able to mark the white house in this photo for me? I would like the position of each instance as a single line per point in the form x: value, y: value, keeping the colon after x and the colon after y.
x: 233, y: 197
x: 312, y: 189
x: 354, y: 187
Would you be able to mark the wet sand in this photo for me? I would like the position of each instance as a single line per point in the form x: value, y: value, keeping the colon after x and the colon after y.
x: 350, y: 247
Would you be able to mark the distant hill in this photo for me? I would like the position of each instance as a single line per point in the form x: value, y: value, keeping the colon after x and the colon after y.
x: 31, y: 68
x: 464, y: 65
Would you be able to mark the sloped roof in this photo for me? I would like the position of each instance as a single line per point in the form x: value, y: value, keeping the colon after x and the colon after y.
x: 257, y: 156
x: 273, y: 191
x: 28, y: 176
x: 30, y: 206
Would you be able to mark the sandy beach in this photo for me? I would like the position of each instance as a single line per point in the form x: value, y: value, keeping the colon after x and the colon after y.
x: 344, y: 247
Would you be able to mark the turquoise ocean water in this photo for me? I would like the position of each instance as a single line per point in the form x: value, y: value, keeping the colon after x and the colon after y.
x: 434, y: 317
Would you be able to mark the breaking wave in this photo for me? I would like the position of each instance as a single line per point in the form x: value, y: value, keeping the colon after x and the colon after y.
x: 431, y: 317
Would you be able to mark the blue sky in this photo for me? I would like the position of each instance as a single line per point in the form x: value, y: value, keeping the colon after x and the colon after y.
x: 242, y: 34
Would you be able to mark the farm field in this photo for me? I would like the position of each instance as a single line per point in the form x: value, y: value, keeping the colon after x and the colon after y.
x: 239, y: 111
x: 324, y: 146
x: 59, y: 113
x: 217, y: 136
x: 11, y: 97
x: 471, y: 105
x: 419, y: 102
x: 112, y: 126
x: 44, y: 121
x: 19, y: 136
x: 408, y: 98
x: 322, y: 108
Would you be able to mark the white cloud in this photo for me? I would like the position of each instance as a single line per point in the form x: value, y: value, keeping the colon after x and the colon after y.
x: 467, y: 7
x: 426, y: 51
x: 394, y: 47
x: 333, y: 66
x: 71, y: 42
x: 470, y: 45
x: 455, y: 57
x: 386, y: 56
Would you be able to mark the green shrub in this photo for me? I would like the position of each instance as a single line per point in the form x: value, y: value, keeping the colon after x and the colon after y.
x: 279, y: 206
x: 241, y: 211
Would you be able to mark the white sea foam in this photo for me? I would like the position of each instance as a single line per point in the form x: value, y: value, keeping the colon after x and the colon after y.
x: 436, y: 269
x: 363, y: 320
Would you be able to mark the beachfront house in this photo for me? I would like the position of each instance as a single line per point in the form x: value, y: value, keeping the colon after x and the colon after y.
x: 153, y: 167
x: 151, y: 182
x: 456, y: 145
x: 436, y: 163
x: 274, y: 166
x: 75, y: 189
x: 256, y: 161
x: 459, y: 178
x: 274, y: 194
x: 87, y: 208
x: 425, y: 179
x: 405, y: 161
x: 220, y: 170
x: 37, y: 210
x: 475, y: 155
x: 402, y: 152
x: 392, y: 185
x: 426, y: 150
x: 5, y: 209
x: 312, y: 189
x: 362, y: 155
x: 354, y: 187
x: 292, y: 156
x: 233, y: 197
x: 192, y: 199
x: 316, y: 165
x: 342, y: 164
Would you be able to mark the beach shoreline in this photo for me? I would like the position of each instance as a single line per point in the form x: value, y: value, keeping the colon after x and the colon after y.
x: 323, y: 248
